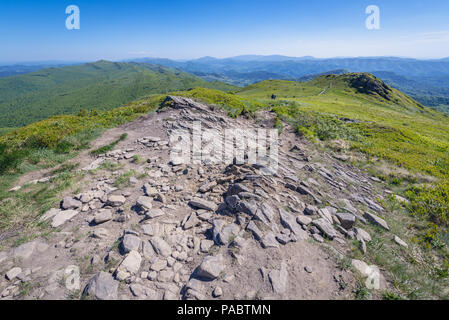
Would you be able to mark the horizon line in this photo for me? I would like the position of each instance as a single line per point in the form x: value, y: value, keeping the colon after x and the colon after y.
x: 306, y: 57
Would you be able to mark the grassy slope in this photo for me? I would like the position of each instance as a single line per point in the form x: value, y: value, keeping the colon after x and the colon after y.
x: 399, y: 130
x: 102, y: 85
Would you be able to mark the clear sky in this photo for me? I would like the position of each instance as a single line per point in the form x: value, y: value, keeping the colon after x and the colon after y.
x: 33, y: 30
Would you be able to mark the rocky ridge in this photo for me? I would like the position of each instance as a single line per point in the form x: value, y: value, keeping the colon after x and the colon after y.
x: 207, y: 231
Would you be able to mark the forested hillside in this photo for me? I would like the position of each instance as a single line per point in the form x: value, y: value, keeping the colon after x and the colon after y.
x: 101, y: 85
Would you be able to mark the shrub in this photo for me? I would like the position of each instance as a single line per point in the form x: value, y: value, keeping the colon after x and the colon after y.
x: 10, y: 159
x: 431, y: 202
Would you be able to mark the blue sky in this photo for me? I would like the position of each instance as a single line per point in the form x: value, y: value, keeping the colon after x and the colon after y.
x: 118, y: 29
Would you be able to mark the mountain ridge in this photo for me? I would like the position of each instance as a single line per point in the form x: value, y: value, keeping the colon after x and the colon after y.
x: 99, y: 85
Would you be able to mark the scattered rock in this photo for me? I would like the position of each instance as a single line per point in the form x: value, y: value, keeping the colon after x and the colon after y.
x: 211, y: 267
x: 145, y: 202
x: 149, y: 190
x: 218, y: 292
x: 252, y: 227
x: 377, y: 221
x: 102, y: 286
x: 283, y: 239
x: 13, y: 273
x: 49, y: 214
x: 130, y: 243
x: 228, y: 233
x: 191, y: 221
x: 203, y: 204
x: 361, y: 267
x: 236, y: 188
x: 154, y: 213
x: 248, y: 207
x: 325, y: 227
x: 159, y: 265
x: 62, y: 217
x: 160, y: 246
x: 129, y: 266
x: 289, y: 221
x: 206, y: 245
x: 362, y: 235
x: 279, y: 279
x: 206, y: 187
x: 269, y: 241
x: 310, y: 210
x: 303, y: 220
x: 69, y: 203
x: 116, y: 200
x: 400, y: 242
x: 318, y: 238
x: 347, y: 220
x: 142, y: 292
x: 102, y: 216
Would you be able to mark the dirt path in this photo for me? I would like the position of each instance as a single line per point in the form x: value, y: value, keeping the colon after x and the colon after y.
x: 208, y: 231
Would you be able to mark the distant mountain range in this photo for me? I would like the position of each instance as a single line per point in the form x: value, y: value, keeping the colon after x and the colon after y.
x: 298, y: 67
x: 32, y: 92
x: 425, y: 80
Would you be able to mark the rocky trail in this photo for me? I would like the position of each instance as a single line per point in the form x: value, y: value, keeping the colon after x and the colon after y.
x: 208, y: 231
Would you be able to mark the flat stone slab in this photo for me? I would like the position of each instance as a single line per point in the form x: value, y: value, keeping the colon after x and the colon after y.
x: 325, y: 227
x: 68, y: 203
x: 145, y: 202
x: 116, y: 200
x: 279, y: 279
x: 62, y: 217
x: 154, y: 213
x: 49, y: 214
x: 13, y: 273
x: 203, y: 204
x: 377, y: 221
x: 289, y: 221
x: 160, y: 246
x: 400, y: 242
x: 130, y: 243
x: 129, y: 266
x: 102, y: 216
x: 25, y: 250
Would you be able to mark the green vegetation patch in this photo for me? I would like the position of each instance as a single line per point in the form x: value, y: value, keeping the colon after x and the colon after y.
x: 431, y: 202
x: 65, y: 134
x: 110, y: 146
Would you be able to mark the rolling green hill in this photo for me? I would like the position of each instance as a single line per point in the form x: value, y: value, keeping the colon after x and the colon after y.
x: 375, y: 118
x: 101, y: 85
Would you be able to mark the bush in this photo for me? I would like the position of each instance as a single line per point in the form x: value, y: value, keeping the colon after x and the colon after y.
x: 10, y: 159
x: 431, y: 202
